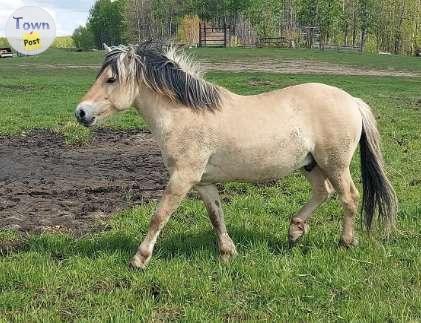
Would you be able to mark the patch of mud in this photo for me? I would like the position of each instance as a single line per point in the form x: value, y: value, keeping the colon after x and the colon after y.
x: 47, y: 185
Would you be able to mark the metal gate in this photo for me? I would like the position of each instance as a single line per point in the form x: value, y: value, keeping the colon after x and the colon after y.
x: 210, y: 36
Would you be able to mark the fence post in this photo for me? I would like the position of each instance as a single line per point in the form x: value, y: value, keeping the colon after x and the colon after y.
x: 225, y: 34
x: 228, y: 35
x: 200, y: 34
x: 204, y: 31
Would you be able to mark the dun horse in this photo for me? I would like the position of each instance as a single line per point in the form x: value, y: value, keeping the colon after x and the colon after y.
x: 210, y: 135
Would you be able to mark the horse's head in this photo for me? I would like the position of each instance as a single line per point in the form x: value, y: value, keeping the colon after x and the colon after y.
x: 131, y: 72
x: 113, y: 91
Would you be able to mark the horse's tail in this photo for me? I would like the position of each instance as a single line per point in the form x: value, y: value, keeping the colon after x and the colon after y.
x: 378, y: 193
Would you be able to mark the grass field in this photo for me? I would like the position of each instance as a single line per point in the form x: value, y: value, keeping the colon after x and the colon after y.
x: 53, y: 277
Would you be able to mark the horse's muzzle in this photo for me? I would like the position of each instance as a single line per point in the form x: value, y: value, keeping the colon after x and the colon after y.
x: 84, y: 116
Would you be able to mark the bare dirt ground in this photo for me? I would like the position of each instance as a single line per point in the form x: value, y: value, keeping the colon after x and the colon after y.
x: 298, y: 67
x: 273, y: 66
x: 46, y: 185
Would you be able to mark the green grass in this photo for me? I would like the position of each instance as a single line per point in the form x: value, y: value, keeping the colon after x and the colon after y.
x: 57, y: 56
x: 54, y: 277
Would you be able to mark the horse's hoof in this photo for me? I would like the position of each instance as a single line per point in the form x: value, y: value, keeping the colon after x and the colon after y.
x: 297, y: 229
x: 348, y: 243
x: 227, y: 256
x: 138, y: 262
x: 227, y: 251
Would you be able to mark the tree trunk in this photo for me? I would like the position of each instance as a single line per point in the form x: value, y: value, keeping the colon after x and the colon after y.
x: 363, y: 34
x: 346, y: 34
x: 354, y: 29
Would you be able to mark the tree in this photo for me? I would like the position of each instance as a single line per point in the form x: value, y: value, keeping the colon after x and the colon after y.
x: 83, y: 37
x: 265, y: 15
x: 323, y: 14
x: 366, y: 15
x: 390, y: 25
x: 152, y: 19
x: 328, y: 19
x: 106, y: 22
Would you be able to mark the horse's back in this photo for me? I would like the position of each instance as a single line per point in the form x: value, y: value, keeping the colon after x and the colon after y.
x: 312, y: 108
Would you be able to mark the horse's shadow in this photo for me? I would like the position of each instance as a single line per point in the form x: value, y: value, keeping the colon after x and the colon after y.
x: 175, y: 245
x: 188, y: 245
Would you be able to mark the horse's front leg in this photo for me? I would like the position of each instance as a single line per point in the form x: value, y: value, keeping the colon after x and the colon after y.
x: 178, y: 186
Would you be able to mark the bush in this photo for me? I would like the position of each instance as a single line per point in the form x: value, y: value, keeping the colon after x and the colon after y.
x: 188, y: 31
x: 63, y: 42
x: 4, y: 42
x: 371, y: 45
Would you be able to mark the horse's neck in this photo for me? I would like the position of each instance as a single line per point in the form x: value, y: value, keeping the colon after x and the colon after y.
x: 156, y: 111
x: 160, y: 113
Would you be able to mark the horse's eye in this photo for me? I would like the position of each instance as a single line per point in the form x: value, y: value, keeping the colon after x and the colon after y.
x: 111, y: 80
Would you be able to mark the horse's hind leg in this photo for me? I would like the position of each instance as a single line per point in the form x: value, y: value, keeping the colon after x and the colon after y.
x: 321, y: 190
x: 210, y: 196
x: 348, y: 194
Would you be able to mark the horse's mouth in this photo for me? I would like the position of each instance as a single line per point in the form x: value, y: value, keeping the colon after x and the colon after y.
x: 88, y: 123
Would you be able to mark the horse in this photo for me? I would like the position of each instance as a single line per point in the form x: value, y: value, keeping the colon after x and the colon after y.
x: 208, y: 135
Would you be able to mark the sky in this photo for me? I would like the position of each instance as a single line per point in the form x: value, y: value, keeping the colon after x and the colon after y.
x: 68, y: 14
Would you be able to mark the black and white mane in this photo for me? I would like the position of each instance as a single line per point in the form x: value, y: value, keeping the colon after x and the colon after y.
x: 169, y: 72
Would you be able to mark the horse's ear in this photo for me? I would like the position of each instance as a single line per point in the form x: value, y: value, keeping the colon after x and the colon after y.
x: 107, y: 48
x: 131, y: 51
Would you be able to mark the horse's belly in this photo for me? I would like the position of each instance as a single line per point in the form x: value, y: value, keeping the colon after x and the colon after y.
x: 253, y: 166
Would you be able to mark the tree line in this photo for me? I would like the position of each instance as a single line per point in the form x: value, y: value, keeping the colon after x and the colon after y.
x: 372, y: 25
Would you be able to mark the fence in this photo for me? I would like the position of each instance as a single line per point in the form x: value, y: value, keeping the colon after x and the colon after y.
x: 210, y: 36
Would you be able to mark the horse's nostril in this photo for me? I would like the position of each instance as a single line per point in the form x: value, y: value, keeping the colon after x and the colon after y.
x: 82, y: 113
